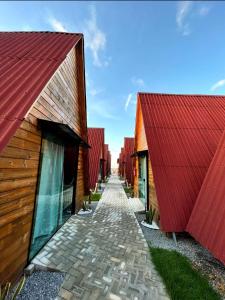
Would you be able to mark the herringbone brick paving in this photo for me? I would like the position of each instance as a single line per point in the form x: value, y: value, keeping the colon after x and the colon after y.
x: 104, y: 256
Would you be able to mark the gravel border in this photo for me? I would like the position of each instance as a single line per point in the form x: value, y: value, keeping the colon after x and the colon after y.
x: 42, y: 285
x: 200, y: 257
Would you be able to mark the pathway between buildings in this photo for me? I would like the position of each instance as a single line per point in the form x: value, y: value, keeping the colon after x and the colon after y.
x: 104, y: 256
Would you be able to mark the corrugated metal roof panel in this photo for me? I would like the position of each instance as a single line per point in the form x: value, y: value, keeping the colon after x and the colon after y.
x: 206, y: 223
x: 27, y: 62
x: 96, y: 141
x: 128, y: 151
x: 109, y: 162
x: 121, y: 162
x: 182, y: 133
x: 106, y: 148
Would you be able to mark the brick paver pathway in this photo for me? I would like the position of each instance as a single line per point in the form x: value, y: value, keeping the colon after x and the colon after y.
x: 104, y: 256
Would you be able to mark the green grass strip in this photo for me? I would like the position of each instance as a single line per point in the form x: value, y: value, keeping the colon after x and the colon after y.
x: 181, y: 280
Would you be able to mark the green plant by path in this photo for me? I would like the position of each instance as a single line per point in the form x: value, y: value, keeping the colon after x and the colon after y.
x: 129, y: 191
x: 7, y: 293
x: 181, y: 280
x: 95, y: 197
x: 150, y: 215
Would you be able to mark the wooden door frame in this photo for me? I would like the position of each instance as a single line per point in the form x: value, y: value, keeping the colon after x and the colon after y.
x: 146, y: 155
x: 73, y: 208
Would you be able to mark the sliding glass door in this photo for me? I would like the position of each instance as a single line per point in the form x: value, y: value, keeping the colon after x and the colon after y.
x: 55, y: 190
x: 142, y: 180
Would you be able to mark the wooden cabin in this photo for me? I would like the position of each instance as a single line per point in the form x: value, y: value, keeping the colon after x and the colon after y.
x: 96, y: 137
x: 109, y: 158
x: 43, y: 140
x: 121, y: 162
x: 176, y: 137
x: 107, y: 161
x: 129, y: 160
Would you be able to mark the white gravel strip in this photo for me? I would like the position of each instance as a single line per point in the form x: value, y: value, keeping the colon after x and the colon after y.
x: 42, y: 285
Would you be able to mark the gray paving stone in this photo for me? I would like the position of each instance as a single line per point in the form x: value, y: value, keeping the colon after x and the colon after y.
x: 104, y: 256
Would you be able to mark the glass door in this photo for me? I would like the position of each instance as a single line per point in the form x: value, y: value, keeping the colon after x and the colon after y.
x: 55, y: 191
x: 142, y: 180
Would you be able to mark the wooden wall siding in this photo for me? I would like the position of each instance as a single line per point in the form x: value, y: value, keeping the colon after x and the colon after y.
x: 141, y: 141
x: 81, y: 89
x: 61, y: 102
x: 18, y: 177
x: 80, y: 191
x: 56, y: 101
x: 136, y: 178
x: 152, y: 191
x: 141, y: 145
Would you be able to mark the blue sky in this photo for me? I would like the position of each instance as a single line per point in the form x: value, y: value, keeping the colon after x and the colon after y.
x: 174, y: 47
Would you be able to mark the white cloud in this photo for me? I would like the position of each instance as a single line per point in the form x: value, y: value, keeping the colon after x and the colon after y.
x: 91, y: 87
x: 218, y: 84
x: 129, y: 98
x: 101, y: 109
x: 138, y: 82
x: 183, y: 10
x: 95, y: 38
x: 56, y: 25
x: 187, y: 10
x: 204, y: 11
x: 94, y: 92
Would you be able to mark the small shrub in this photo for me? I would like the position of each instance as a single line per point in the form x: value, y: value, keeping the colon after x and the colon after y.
x: 129, y: 191
x: 7, y: 294
x: 95, y: 197
x: 85, y: 206
x: 150, y: 215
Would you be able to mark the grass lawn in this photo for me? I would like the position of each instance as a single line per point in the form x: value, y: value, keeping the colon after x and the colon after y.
x: 181, y: 280
x: 95, y: 197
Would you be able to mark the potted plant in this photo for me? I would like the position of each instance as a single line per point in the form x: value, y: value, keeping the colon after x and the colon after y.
x: 86, y: 208
x: 149, y: 216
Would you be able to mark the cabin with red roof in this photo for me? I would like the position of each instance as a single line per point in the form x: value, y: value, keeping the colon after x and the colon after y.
x: 43, y: 141
x: 109, y: 157
x: 121, y: 162
x: 129, y: 160
x: 126, y: 161
x: 206, y: 223
x: 107, y: 161
x: 96, y: 156
x: 176, y: 139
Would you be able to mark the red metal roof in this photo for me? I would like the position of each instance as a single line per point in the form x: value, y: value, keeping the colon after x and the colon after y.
x: 182, y: 133
x: 106, y: 148
x: 109, y: 162
x: 27, y: 62
x: 96, y: 141
x: 206, y: 223
x: 128, y: 151
x: 121, y: 162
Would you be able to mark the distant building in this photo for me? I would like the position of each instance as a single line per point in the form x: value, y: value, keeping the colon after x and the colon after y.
x: 96, y: 156
x: 126, y: 160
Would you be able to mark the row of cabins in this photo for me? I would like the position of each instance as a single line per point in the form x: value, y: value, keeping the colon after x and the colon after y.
x: 126, y: 161
x: 99, y: 157
x: 179, y: 164
x: 45, y: 154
